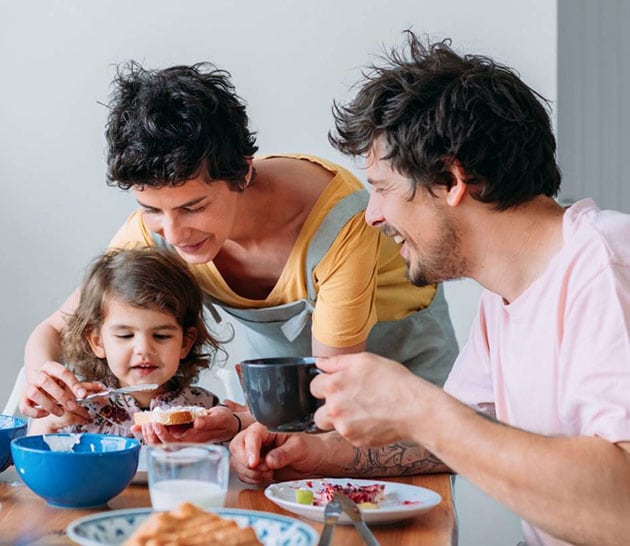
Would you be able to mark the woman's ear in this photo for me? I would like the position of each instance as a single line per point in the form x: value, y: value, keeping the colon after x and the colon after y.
x: 94, y: 339
x: 459, y: 188
x: 190, y: 336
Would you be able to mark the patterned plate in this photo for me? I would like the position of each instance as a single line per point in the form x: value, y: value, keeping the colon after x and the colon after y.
x: 113, y: 528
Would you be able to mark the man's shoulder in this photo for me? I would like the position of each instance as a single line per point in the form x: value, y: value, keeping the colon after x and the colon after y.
x: 597, y: 238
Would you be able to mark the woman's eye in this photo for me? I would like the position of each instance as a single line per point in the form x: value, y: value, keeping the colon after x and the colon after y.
x: 194, y: 211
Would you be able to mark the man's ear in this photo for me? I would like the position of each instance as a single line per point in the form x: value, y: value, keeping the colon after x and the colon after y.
x: 250, y: 172
x: 459, y: 188
x: 190, y: 336
x: 94, y: 339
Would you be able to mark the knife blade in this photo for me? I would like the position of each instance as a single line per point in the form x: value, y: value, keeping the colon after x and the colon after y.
x: 353, y: 511
x: 332, y: 511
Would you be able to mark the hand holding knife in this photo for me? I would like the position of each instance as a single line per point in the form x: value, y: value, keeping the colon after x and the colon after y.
x: 353, y: 511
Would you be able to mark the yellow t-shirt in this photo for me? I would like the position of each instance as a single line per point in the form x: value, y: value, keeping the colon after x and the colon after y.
x: 361, y: 279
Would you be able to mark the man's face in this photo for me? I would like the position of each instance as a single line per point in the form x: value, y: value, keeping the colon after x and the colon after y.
x: 423, y: 225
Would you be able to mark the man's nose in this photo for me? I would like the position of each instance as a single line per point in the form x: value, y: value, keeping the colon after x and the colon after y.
x: 373, y: 214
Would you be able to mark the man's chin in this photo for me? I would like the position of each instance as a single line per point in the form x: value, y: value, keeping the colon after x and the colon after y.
x: 418, y: 280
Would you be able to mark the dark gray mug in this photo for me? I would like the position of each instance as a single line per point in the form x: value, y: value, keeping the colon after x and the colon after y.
x: 278, y: 394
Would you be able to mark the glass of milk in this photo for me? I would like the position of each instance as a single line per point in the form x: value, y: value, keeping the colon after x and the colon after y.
x: 185, y: 472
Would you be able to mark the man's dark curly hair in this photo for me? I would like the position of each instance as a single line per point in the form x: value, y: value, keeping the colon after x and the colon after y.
x: 167, y: 126
x: 146, y: 278
x: 433, y: 107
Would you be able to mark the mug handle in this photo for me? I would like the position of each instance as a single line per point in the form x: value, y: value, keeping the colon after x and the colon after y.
x: 313, y: 429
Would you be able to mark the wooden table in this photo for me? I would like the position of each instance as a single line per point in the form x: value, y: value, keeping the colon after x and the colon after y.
x: 26, y: 519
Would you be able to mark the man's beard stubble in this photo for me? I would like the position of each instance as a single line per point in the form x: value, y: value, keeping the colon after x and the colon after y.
x: 442, y: 262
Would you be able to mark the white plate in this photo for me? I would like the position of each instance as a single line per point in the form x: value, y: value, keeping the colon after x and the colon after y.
x: 401, y: 501
x: 114, y: 527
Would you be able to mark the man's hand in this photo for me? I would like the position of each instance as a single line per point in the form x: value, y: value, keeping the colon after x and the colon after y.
x: 369, y: 399
x: 260, y: 457
x: 53, y: 389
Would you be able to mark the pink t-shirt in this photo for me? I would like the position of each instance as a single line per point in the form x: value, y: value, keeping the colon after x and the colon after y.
x: 556, y: 361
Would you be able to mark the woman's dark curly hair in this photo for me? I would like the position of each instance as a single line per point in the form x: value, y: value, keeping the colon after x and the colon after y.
x: 433, y: 107
x: 167, y: 126
x: 146, y: 278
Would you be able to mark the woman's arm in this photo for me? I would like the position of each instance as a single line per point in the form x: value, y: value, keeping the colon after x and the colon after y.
x: 50, y: 386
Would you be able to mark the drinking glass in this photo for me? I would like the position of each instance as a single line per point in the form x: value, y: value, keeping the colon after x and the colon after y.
x: 187, y: 472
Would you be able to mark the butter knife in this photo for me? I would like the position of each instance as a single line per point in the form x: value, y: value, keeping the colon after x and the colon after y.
x: 353, y: 511
x: 120, y: 390
x: 332, y: 511
x: 110, y: 391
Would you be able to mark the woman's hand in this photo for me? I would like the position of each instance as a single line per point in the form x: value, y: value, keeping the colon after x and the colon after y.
x: 53, y: 389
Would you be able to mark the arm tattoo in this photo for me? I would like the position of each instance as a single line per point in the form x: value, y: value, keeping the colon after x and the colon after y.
x: 486, y: 410
x: 401, y: 458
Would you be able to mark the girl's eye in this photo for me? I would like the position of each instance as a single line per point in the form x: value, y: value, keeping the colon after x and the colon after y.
x: 162, y: 336
x: 124, y: 336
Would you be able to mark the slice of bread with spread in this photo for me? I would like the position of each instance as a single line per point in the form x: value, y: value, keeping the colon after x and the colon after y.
x: 177, y: 415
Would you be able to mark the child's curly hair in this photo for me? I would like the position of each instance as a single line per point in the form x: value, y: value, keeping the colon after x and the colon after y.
x: 147, y: 278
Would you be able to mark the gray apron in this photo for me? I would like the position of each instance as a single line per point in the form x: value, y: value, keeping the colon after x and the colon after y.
x: 423, y: 341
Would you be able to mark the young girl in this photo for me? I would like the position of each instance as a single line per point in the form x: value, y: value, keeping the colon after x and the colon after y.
x: 139, y: 321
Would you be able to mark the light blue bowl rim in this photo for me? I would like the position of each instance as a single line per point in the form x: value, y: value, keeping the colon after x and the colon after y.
x: 18, y: 443
x: 18, y: 422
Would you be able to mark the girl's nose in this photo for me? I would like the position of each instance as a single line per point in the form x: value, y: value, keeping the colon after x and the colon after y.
x: 144, y: 348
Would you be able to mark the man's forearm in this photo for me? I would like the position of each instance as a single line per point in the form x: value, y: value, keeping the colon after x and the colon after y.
x: 399, y: 459
x: 575, y: 488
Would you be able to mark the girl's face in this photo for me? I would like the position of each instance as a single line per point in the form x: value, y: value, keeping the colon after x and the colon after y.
x: 141, y: 346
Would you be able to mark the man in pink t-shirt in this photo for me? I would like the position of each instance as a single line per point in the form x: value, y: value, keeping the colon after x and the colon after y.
x: 554, y: 361
x: 460, y: 155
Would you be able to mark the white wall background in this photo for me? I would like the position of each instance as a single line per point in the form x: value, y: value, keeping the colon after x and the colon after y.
x: 288, y: 59
x: 593, y: 111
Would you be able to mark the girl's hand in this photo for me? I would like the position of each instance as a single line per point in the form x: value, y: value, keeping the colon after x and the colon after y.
x: 218, y: 425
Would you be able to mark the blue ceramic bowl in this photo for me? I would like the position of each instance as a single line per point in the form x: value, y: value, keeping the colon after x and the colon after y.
x: 84, y: 475
x: 10, y: 427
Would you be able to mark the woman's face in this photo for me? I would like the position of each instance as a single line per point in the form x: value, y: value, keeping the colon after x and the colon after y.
x: 196, y: 217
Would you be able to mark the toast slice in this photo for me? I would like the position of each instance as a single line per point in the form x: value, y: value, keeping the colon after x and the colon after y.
x: 177, y: 415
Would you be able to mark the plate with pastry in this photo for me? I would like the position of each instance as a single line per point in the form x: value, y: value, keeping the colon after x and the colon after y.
x: 186, y: 524
x: 379, y: 501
